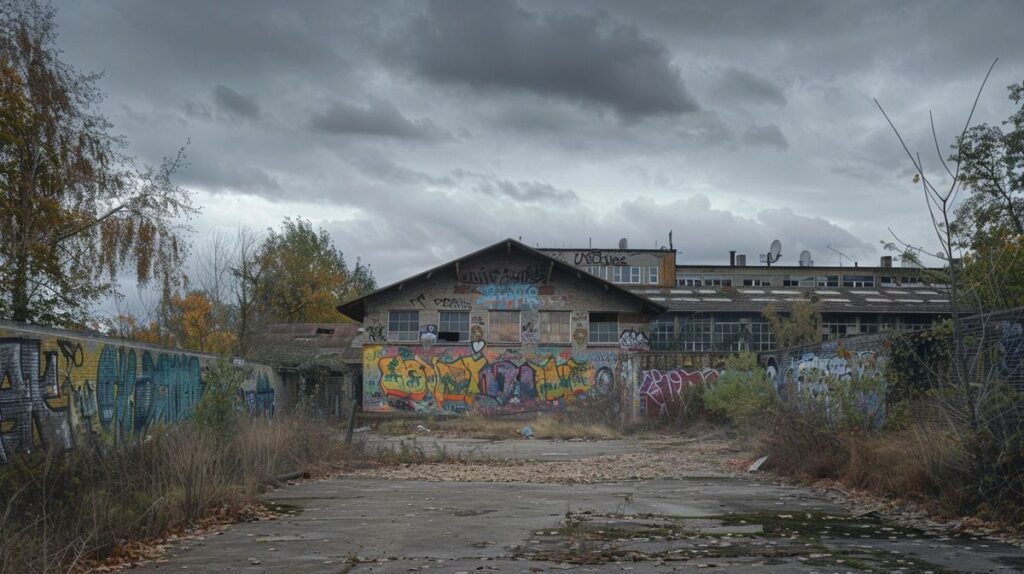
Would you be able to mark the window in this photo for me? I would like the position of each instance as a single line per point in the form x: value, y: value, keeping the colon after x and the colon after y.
x: 652, y: 275
x: 597, y: 270
x: 839, y: 326
x: 695, y: 334
x: 886, y: 281
x: 604, y: 327
x: 728, y: 336
x: 799, y: 281
x: 828, y: 281
x: 554, y: 327
x: 858, y: 281
x: 757, y: 282
x: 453, y: 326
x: 626, y: 274
x: 688, y: 281
x: 663, y: 333
x: 403, y: 325
x: 505, y: 326
x: 717, y: 281
x: 761, y: 337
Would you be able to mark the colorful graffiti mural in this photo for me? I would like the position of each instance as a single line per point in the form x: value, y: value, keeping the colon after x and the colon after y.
x: 53, y: 387
x: 663, y: 394
x: 456, y: 379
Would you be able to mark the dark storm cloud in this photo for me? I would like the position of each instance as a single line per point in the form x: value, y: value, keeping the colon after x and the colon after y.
x: 734, y: 84
x: 586, y: 58
x: 770, y: 135
x: 376, y: 118
x: 234, y: 103
x: 420, y: 131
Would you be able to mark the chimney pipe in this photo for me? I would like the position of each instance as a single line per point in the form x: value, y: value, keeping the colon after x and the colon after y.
x: 732, y: 258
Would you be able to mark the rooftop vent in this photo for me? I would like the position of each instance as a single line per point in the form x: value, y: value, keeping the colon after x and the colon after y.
x: 623, y: 244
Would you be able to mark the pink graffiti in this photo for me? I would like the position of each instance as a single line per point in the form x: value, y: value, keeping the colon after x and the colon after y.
x: 661, y: 392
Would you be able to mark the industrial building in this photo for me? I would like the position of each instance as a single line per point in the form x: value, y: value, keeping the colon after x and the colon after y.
x: 510, y: 327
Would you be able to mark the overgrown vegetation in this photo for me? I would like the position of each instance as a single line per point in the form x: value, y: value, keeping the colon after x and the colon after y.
x: 743, y: 393
x: 62, y: 509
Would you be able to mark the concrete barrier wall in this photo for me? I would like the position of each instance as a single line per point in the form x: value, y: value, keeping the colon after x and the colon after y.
x: 57, y: 384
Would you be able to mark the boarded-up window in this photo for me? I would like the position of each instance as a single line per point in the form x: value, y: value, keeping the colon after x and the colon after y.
x: 554, y: 326
x: 504, y: 326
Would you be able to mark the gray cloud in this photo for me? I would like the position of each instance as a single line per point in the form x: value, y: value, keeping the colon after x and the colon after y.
x: 235, y: 103
x: 736, y: 85
x: 770, y: 135
x: 570, y: 119
x: 377, y: 118
x: 525, y: 191
x: 592, y: 59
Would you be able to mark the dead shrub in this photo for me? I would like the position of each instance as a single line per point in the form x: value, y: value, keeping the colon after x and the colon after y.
x: 798, y: 442
x: 918, y: 463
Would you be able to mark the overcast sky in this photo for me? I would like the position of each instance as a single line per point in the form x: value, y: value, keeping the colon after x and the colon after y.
x: 416, y: 132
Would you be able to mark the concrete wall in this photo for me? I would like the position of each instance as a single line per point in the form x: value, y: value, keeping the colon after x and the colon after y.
x: 434, y: 376
x: 57, y: 384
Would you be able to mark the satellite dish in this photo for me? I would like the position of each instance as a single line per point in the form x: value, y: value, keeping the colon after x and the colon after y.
x: 774, y: 252
x: 805, y: 259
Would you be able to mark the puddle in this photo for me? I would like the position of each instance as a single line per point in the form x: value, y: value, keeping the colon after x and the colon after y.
x: 814, y: 539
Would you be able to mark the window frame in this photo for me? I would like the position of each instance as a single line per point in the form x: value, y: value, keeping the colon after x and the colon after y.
x: 605, y: 337
x: 415, y: 332
x: 441, y: 322
x: 493, y: 332
x: 544, y: 333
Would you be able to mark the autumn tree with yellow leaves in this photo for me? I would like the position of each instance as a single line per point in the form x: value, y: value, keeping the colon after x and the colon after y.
x: 75, y: 211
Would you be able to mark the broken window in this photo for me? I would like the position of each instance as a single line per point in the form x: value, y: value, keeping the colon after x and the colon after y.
x: 453, y: 326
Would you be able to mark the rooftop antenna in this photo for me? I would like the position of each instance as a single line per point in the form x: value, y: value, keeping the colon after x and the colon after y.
x: 805, y: 259
x: 839, y: 253
x: 774, y: 253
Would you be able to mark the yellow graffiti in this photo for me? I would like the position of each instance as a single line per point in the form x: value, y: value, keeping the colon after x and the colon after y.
x: 406, y: 375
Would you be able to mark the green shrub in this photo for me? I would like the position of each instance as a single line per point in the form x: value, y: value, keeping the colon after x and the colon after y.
x: 220, y: 408
x: 743, y: 394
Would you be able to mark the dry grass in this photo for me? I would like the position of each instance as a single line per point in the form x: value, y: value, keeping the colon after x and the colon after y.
x: 59, y: 510
x: 919, y: 463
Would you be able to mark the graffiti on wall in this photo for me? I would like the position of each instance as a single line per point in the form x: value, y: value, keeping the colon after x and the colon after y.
x: 53, y: 388
x: 664, y: 394
x: 811, y: 372
x: 260, y: 401
x: 504, y: 275
x: 508, y: 296
x: 453, y: 380
x: 631, y: 340
x: 597, y: 257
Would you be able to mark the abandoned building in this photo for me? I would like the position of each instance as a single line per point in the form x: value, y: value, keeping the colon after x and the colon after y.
x: 718, y: 308
x: 511, y: 328
x: 506, y: 328
x: 319, y: 363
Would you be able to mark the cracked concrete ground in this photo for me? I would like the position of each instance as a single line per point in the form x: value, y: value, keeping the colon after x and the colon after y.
x: 692, y: 521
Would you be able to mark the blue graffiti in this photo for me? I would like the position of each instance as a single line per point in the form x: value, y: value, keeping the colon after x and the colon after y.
x: 510, y: 296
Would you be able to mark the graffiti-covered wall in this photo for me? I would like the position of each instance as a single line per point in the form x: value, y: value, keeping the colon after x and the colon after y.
x: 504, y: 333
x: 56, y: 384
x: 455, y: 379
